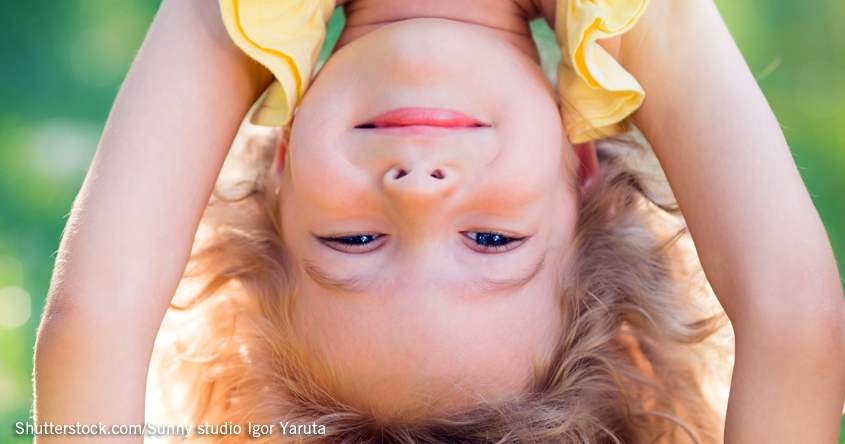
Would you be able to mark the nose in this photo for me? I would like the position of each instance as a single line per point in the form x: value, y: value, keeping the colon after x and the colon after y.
x: 417, y: 187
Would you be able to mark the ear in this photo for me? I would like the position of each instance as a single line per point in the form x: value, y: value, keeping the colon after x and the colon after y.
x: 589, y: 171
x: 281, y: 155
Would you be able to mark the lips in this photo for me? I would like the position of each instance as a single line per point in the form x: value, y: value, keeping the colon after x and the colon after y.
x: 423, y: 117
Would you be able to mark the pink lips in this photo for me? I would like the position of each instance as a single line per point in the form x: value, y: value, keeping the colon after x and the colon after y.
x: 432, y: 117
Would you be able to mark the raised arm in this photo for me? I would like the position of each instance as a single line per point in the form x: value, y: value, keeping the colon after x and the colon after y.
x: 130, y: 232
x: 759, y: 237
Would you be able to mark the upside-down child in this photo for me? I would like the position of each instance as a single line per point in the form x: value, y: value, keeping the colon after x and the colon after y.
x: 439, y: 246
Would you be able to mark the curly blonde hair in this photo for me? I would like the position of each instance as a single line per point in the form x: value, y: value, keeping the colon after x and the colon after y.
x: 633, y: 355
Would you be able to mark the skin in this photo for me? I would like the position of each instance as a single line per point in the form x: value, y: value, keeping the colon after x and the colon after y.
x: 760, y: 240
x: 428, y: 308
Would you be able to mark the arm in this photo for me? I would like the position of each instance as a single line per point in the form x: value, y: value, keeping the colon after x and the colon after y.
x: 759, y: 237
x: 130, y: 232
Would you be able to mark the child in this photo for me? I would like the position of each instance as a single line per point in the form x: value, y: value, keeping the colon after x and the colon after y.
x: 420, y: 261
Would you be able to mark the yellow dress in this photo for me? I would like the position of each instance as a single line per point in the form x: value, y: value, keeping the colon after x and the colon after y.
x: 286, y: 36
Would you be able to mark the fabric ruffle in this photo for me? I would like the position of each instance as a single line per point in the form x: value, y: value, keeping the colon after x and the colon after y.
x: 285, y: 36
x: 597, y: 94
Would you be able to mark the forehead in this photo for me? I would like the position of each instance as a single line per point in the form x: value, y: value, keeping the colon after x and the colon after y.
x: 423, y: 339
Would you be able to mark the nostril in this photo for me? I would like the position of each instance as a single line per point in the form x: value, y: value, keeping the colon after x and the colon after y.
x: 437, y: 174
x: 400, y: 174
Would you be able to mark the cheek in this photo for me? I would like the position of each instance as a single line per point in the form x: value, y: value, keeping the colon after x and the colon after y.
x: 563, y: 212
x: 535, y: 164
x: 293, y: 233
x: 323, y: 185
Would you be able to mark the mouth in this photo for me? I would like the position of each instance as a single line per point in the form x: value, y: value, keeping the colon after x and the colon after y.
x: 423, y: 117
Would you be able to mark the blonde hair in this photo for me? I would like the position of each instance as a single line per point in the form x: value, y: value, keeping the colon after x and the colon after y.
x: 630, y: 364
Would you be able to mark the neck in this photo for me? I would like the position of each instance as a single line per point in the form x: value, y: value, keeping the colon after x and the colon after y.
x: 508, y: 19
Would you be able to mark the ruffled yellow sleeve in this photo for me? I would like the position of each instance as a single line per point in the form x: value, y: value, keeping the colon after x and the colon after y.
x: 285, y: 36
x: 597, y: 94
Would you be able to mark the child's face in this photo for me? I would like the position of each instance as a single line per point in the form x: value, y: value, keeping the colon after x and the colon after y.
x: 429, y: 258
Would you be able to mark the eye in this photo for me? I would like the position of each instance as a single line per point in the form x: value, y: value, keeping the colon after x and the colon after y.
x: 356, y: 243
x: 493, y: 242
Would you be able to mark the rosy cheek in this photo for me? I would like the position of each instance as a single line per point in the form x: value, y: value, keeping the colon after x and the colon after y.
x: 328, y: 183
x: 337, y: 199
x: 512, y: 189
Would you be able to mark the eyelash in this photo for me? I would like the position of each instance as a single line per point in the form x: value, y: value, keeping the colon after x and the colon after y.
x: 510, y: 244
x: 337, y: 243
x: 348, y: 244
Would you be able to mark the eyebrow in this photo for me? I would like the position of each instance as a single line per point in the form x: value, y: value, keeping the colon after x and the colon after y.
x: 495, y: 286
x: 352, y: 284
x: 360, y: 283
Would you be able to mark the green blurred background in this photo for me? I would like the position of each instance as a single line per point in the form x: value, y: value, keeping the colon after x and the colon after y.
x: 61, y: 63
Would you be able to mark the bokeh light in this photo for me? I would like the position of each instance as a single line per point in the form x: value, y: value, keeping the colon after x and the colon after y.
x: 15, y: 307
